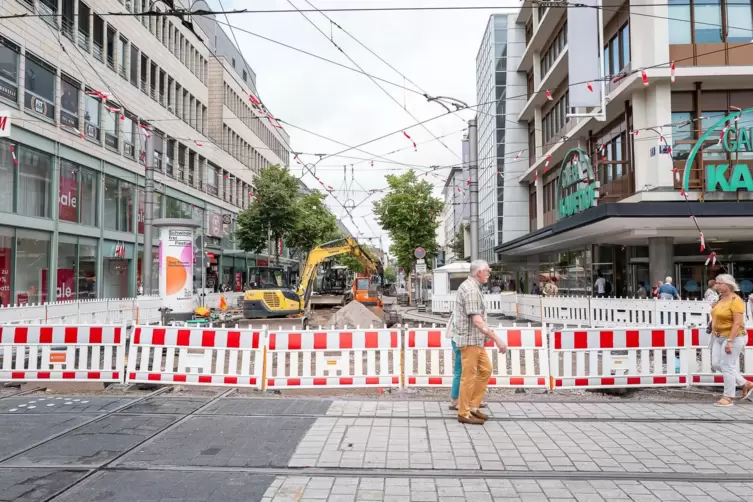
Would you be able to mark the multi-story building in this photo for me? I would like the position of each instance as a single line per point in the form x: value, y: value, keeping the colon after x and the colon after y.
x: 85, y: 91
x: 457, y: 209
x: 623, y: 204
x: 500, y: 194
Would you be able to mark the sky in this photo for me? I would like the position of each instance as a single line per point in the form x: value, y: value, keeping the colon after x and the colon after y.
x: 434, y: 49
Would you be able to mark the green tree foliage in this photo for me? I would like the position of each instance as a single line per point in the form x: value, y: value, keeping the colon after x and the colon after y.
x: 390, y: 274
x: 314, y: 224
x: 458, y: 243
x: 409, y: 213
x: 276, y: 210
x: 353, y: 264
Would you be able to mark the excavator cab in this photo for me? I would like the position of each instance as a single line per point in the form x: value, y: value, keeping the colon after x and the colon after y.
x: 365, y: 291
x: 270, y: 294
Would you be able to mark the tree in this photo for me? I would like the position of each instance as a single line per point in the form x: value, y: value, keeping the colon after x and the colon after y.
x: 458, y: 243
x: 314, y: 224
x: 274, y: 210
x: 353, y: 264
x: 390, y: 274
x: 409, y: 213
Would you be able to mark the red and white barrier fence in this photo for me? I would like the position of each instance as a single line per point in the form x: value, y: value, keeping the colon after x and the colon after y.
x: 428, y: 358
x: 62, y: 353
x: 333, y: 358
x: 618, y: 358
x: 699, y: 359
x: 223, y: 357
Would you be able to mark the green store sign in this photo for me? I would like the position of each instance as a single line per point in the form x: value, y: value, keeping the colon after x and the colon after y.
x: 725, y: 177
x: 577, y: 187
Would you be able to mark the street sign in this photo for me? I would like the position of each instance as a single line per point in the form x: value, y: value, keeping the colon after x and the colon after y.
x: 419, y: 253
x: 420, y: 268
x: 421, y: 261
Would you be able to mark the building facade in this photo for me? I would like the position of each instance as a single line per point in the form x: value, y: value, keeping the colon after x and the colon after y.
x: 613, y: 197
x: 457, y: 209
x: 500, y: 194
x: 85, y: 92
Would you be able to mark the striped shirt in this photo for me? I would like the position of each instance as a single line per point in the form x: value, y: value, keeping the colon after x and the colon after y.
x: 469, y: 302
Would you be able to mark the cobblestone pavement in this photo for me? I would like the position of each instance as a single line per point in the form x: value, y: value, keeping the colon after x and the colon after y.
x: 160, y: 448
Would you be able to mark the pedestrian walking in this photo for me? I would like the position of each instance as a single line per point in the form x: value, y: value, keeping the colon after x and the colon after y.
x: 729, y: 338
x: 550, y: 288
x: 601, y: 285
x: 470, y: 334
x: 667, y: 291
x: 711, y: 295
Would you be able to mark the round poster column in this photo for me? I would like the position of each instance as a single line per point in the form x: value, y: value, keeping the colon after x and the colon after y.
x: 176, y: 248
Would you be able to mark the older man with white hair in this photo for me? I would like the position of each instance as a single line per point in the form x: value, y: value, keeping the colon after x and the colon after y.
x: 470, y: 333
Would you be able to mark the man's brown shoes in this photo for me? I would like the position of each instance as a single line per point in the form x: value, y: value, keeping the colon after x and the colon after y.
x: 470, y: 420
x: 479, y: 415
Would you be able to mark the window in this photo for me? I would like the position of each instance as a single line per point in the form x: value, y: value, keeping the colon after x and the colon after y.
x: 617, y: 51
x: 83, y: 26
x: 244, y: 75
x: 7, y: 176
x: 40, y: 87
x: 111, y: 121
x: 65, y: 283
x: 8, y: 70
x: 122, y: 57
x: 556, y: 118
x: 69, y: 102
x: 158, y: 148
x: 156, y: 209
x: 34, y: 183
x: 68, y: 192
x: 91, y: 118
x: 708, y: 21
x: 118, y: 199
x: 134, y: 66
x: 169, y: 157
x: 739, y: 21
x: 32, y: 265
x: 212, y: 187
x: 129, y: 135
x: 88, y: 195
x: 556, y: 46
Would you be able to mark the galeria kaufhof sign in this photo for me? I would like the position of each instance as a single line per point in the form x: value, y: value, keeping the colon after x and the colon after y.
x: 724, y: 175
x: 577, y: 188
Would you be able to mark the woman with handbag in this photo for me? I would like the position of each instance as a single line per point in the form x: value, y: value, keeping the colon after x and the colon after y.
x: 729, y: 338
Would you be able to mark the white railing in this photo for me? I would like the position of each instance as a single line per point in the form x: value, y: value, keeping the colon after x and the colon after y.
x: 144, y: 310
x: 589, y: 311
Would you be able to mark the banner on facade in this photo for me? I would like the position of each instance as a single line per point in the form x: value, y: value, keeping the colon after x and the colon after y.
x: 583, y: 78
x: 65, y: 286
x: 68, y: 198
x: 176, y: 263
x: 4, y: 124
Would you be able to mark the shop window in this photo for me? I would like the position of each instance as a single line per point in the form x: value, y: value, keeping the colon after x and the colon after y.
x: 118, y: 200
x: 34, y: 183
x: 156, y: 208
x: 65, y: 280
x: 69, y: 102
x: 115, y: 269
x: 68, y: 192
x: 32, y: 257
x: 87, y: 268
x: 111, y: 121
x: 9, y: 70
x: 6, y: 265
x: 129, y: 135
x: 40, y: 87
x: 7, y: 176
x: 88, y: 196
x: 92, y: 118
x: 155, y: 271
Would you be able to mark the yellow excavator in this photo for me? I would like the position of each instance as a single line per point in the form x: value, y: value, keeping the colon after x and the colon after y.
x: 272, y: 296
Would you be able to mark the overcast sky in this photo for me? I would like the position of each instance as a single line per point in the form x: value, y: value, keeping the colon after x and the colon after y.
x: 435, y: 49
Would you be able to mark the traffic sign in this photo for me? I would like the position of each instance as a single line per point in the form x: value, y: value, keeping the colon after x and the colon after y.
x: 421, y: 261
x: 420, y: 268
x: 419, y: 253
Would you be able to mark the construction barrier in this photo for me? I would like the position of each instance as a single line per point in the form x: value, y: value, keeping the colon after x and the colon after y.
x: 148, y: 310
x: 333, y: 358
x: 569, y: 310
x: 618, y: 358
x: 429, y: 362
x: 62, y: 353
x: 699, y: 359
x: 197, y: 356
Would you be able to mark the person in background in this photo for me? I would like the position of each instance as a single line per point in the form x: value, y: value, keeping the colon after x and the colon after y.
x: 655, y: 292
x: 470, y: 334
x: 495, y: 288
x: 550, y: 288
x: 729, y: 338
x: 711, y: 295
x: 667, y: 291
x: 600, y: 285
x: 535, y: 289
x: 641, y: 291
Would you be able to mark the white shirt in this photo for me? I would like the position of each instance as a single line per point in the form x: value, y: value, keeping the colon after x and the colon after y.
x: 711, y: 296
x: 600, y: 284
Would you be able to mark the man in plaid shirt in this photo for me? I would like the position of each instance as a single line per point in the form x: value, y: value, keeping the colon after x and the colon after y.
x: 470, y: 334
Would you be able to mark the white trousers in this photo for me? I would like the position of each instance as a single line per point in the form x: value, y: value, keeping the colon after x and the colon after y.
x: 728, y: 363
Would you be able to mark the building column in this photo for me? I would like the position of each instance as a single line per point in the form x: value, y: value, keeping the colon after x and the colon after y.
x: 661, y: 255
x: 540, y: 202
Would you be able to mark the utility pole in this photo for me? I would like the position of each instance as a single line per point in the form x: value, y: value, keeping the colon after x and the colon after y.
x: 473, y: 171
x: 146, y: 261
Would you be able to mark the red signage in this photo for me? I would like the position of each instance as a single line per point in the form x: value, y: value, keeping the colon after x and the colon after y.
x: 262, y: 263
x: 65, y: 288
x: 5, y: 276
x: 238, y: 282
x: 214, y: 224
x: 141, y: 215
x: 68, y: 198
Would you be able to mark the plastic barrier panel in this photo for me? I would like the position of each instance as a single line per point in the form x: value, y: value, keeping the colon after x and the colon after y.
x: 622, y: 312
x: 565, y: 310
x: 196, y: 356
x: 699, y: 359
x: 333, y: 358
x: 147, y: 310
x: 67, y: 353
x: 613, y: 358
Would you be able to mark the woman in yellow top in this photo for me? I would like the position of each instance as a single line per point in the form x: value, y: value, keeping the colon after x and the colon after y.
x: 730, y: 338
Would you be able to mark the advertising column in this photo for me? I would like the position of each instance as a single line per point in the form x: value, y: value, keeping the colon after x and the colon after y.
x: 176, y: 255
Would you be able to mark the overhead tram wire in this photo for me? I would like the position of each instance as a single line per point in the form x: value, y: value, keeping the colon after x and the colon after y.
x: 375, y: 82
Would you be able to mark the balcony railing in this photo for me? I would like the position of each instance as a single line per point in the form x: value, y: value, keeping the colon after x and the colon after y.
x: 162, y: 99
x: 83, y: 40
x: 111, y: 63
x: 123, y: 72
x: 153, y: 93
x: 68, y: 28
x: 143, y: 86
x: 97, y: 50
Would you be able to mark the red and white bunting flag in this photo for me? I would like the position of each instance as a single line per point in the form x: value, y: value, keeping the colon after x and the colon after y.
x: 197, y: 143
x: 254, y: 100
x: 635, y: 133
x: 604, y: 151
x: 737, y: 109
x: 703, y: 243
x: 415, y: 147
x: 98, y: 94
x: 549, y: 95
x: 711, y: 258
x: 13, y: 153
x: 672, y: 72
x: 273, y: 121
x: 329, y: 187
x: 112, y: 109
x: 644, y: 77
x: 589, y: 86
x: 518, y: 155
x: 548, y: 160
x: 79, y: 133
x: 372, y: 163
x: 535, y: 176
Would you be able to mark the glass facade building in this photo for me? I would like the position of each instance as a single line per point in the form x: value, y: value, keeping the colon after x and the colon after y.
x: 491, y: 76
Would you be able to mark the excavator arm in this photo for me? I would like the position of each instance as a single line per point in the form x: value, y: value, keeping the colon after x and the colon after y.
x: 320, y: 253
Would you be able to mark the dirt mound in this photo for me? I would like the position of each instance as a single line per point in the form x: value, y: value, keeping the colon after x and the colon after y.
x: 355, y: 314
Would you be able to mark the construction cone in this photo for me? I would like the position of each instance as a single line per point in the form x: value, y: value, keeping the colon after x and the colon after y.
x: 223, y: 303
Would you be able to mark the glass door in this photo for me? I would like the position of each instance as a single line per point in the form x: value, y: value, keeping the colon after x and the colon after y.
x: 691, y: 280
